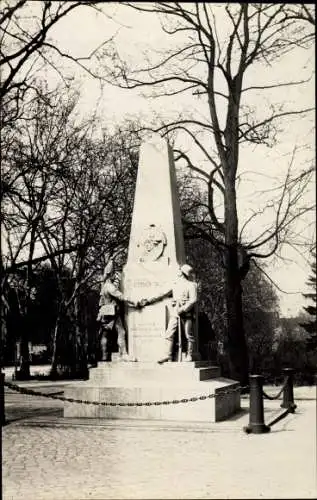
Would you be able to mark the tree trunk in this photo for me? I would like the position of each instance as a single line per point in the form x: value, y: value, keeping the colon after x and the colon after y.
x: 22, y: 366
x: 237, y: 346
x: 81, y: 367
x: 69, y: 358
x: 53, y: 371
x: 63, y: 352
x: 22, y: 371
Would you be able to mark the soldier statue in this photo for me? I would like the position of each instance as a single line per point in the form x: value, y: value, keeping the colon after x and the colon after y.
x: 110, y: 315
x: 181, y: 312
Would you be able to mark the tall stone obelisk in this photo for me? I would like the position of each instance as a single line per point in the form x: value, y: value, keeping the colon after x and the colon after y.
x: 156, y: 247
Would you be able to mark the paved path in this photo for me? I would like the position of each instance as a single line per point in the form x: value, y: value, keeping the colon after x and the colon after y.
x: 151, y: 461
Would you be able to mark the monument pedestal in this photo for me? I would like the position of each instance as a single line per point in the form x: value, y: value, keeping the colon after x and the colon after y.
x: 143, y: 382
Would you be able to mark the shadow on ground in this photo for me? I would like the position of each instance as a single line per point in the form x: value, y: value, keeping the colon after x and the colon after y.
x: 236, y: 416
x: 17, y: 415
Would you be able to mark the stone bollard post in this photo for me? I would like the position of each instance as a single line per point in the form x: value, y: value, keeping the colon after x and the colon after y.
x: 2, y: 413
x: 288, y: 393
x: 256, y: 417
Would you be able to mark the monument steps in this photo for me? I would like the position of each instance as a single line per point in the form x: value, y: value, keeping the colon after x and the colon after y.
x: 117, y: 360
x: 132, y: 373
x: 136, y: 383
x: 209, y: 410
x: 209, y: 372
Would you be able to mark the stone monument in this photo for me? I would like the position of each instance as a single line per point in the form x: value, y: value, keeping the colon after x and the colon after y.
x: 156, y: 248
x: 156, y: 252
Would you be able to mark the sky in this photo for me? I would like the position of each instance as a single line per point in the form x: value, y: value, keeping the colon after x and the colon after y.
x: 260, y: 168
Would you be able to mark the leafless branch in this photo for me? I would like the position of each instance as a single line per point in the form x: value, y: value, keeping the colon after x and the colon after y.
x: 271, y: 281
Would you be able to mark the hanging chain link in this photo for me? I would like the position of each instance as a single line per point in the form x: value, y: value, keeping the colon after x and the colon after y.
x: 267, y: 396
x: 30, y: 392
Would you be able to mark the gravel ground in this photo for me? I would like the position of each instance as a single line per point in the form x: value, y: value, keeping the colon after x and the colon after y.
x: 139, y: 462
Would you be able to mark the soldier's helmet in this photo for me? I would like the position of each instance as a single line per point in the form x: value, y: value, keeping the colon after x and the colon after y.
x: 186, y: 269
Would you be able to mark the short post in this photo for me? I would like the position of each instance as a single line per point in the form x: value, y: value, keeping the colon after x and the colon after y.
x: 288, y: 393
x: 256, y: 417
x: 2, y: 413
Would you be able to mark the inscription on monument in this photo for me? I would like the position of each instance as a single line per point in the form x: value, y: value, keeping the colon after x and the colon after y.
x: 149, y: 324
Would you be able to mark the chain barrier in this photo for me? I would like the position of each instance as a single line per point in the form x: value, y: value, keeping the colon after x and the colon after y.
x: 256, y: 416
x: 267, y: 396
x: 30, y: 392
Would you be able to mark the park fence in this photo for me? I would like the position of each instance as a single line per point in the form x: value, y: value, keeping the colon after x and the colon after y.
x: 256, y: 421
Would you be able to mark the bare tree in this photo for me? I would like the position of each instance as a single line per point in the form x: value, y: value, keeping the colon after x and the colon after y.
x: 36, y: 156
x: 28, y: 47
x: 94, y: 213
x: 214, y: 65
x: 67, y: 200
x: 33, y: 160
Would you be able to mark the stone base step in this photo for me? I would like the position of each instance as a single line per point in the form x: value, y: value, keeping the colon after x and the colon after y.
x: 224, y: 402
x: 122, y: 374
x: 117, y: 360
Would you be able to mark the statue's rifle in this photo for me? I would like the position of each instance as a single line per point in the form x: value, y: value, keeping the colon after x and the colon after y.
x: 179, y: 338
